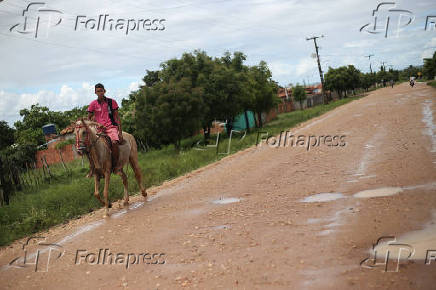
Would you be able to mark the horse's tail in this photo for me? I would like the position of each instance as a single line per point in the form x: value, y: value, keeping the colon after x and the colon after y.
x: 133, y: 160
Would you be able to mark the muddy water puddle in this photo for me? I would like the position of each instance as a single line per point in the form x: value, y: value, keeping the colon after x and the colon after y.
x: 419, y: 245
x: 323, y: 197
x: 378, y: 192
x: 226, y: 200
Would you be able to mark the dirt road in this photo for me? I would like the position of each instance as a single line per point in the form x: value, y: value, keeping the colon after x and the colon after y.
x: 254, y: 219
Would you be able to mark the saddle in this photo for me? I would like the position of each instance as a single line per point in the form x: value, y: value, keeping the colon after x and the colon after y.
x: 106, y: 139
x: 109, y: 144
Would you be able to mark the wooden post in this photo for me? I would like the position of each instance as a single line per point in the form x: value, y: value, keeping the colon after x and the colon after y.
x: 46, y: 164
x: 62, y: 160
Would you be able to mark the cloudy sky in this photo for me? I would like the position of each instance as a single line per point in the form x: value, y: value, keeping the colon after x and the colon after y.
x: 57, y: 62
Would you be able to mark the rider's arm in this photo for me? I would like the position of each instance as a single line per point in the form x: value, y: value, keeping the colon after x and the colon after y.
x: 118, y: 120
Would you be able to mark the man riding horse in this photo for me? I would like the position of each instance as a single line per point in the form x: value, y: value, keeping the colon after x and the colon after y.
x: 104, y: 157
x: 104, y: 111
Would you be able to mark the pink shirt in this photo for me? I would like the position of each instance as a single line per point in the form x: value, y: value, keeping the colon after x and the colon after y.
x: 101, y: 112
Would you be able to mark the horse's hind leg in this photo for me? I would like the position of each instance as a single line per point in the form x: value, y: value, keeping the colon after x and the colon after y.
x: 107, y: 177
x: 125, y: 184
x: 138, y: 175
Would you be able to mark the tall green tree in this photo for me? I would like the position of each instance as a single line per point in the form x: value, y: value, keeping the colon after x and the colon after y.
x: 6, y: 135
x: 264, y: 90
x: 174, y: 111
x: 429, y: 68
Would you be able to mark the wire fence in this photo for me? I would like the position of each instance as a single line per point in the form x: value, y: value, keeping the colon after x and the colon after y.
x: 27, y: 176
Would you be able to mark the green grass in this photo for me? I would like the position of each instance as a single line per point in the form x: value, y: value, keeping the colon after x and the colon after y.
x: 432, y: 83
x: 69, y: 194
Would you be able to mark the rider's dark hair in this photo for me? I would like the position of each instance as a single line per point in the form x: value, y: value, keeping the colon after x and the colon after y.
x: 99, y: 86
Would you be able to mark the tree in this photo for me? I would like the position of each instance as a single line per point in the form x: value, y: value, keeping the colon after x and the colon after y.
x: 29, y: 129
x: 366, y: 80
x: 6, y: 135
x: 429, y: 68
x: 336, y: 80
x: 226, y: 87
x: 174, y: 109
x: 151, y: 78
x: 299, y: 94
x: 353, y: 78
x: 264, y: 90
x: 343, y: 79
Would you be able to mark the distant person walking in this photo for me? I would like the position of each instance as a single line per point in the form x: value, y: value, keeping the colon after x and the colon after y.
x: 392, y: 83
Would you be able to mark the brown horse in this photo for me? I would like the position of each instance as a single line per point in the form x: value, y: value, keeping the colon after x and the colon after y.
x: 89, y: 141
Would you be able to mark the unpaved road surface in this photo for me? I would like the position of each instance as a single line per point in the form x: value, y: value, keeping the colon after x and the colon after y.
x: 243, y: 223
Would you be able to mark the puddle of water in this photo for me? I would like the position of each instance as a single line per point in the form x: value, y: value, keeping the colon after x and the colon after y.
x: 417, y: 245
x: 325, y: 232
x: 352, y: 181
x: 323, y: 197
x: 367, y: 146
x: 222, y: 227
x: 378, y: 192
x: 427, y: 186
x: 368, y: 176
x: 226, y: 200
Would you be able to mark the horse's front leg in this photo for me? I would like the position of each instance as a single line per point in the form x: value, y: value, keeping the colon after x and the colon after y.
x: 125, y: 184
x: 107, y: 177
x: 97, y: 187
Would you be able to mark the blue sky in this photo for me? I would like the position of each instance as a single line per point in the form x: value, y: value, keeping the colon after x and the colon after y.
x: 59, y: 68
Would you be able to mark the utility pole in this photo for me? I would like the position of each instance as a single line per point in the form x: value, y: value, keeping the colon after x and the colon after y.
x: 369, y: 57
x: 314, y: 38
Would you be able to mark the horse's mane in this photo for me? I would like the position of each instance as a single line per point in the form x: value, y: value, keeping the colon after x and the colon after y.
x: 89, y: 123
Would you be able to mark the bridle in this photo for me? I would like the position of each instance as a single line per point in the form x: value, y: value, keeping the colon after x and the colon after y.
x: 88, y: 145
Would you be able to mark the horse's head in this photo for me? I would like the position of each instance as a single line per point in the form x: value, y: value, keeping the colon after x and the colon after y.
x: 82, y: 136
